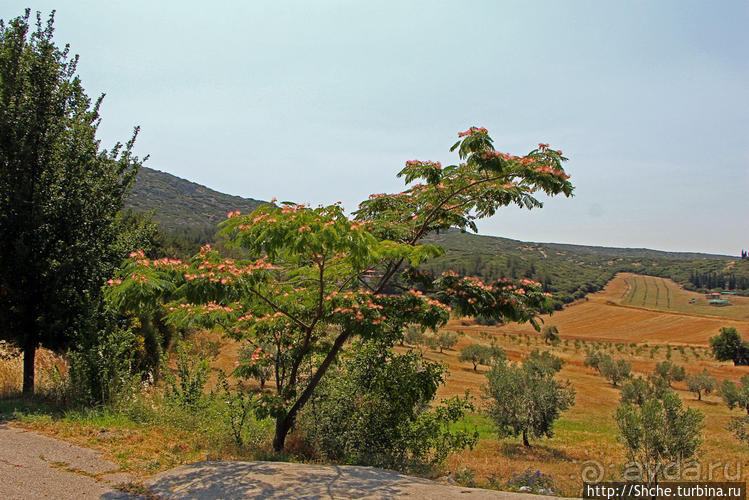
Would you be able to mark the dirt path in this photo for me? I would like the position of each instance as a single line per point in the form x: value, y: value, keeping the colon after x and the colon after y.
x: 34, y: 466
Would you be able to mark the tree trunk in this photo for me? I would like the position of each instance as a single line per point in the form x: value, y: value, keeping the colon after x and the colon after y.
x: 525, y: 439
x: 283, y: 426
x: 29, y: 353
x: 699, y: 396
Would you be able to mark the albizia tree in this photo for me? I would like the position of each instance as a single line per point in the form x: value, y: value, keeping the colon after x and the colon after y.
x: 317, y: 278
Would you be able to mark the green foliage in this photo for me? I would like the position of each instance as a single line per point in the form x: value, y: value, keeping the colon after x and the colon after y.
x: 59, y: 195
x: 526, y: 399
x: 550, y: 334
x: 100, y: 370
x: 481, y: 355
x: 701, y: 382
x: 636, y: 391
x: 311, y: 279
x: 373, y: 410
x: 593, y: 359
x: 531, y: 482
x: 239, y: 407
x: 614, y: 370
x: 729, y: 346
x: 668, y: 371
x: 659, y: 432
x: 255, y: 362
x: 740, y: 428
x: 187, y: 382
x: 443, y: 340
x: 736, y: 395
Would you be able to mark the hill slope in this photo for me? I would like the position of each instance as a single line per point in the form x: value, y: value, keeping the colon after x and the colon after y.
x: 180, y: 204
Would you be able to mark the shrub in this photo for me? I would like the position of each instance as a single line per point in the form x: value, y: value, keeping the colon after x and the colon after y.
x: 186, y: 383
x: 373, y: 410
x: 736, y: 395
x: 100, y: 369
x: 658, y: 433
x: 636, y: 391
x: 532, y: 482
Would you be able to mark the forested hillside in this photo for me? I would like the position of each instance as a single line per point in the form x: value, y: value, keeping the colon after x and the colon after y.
x: 188, y: 213
x: 180, y: 205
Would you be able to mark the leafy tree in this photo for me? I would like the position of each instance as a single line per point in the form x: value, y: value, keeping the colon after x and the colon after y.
x: 480, y: 354
x: 659, y: 432
x: 614, y: 370
x: 593, y: 359
x: 550, y: 333
x: 669, y: 371
x: 59, y: 194
x: 701, y: 382
x: 636, y: 391
x: 443, y: 340
x: 526, y: 399
x: 314, y: 279
x: 736, y: 395
x: 373, y: 409
x: 728, y: 346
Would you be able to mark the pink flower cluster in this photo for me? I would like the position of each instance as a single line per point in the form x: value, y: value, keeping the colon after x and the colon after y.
x: 235, y: 213
x: 418, y: 163
x: 473, y: 130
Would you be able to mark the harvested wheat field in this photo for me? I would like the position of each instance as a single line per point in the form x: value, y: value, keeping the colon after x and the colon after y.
x: 611, y: 316
x: 585, y: 441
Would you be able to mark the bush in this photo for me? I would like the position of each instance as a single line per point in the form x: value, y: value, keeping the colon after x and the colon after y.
x: 100, y: 369
x: 186, y: 383
x: 373, y: 410
x: 481, y: 354
x: 636, y: 391
x: 532, y: 482
x: 659, y: 433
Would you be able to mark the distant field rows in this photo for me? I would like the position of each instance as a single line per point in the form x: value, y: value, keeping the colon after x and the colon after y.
x: 663, y: 294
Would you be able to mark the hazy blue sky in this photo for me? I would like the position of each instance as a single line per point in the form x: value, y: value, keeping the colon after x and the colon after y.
x: 320, y: 101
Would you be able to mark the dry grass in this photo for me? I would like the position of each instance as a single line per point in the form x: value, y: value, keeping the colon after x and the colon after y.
x: 48, y: 366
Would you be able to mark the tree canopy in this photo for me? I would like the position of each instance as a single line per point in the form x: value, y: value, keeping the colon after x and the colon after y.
x: 315, y: 278
x: 59, y: 193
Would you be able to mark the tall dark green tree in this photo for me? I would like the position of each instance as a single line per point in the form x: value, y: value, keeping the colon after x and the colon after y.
x: 59, y: 194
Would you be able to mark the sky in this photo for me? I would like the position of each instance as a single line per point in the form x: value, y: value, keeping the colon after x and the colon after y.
x: 324, y: 101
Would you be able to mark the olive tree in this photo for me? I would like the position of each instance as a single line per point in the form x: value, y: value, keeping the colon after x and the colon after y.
x: 526, y: 399
x: 658, y: 433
